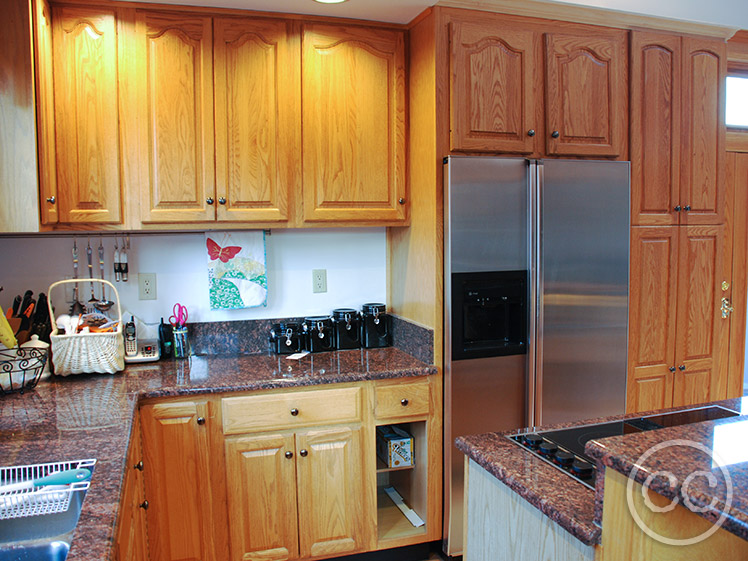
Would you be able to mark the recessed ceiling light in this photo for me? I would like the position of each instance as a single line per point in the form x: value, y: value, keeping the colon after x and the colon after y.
x: 330, y: 1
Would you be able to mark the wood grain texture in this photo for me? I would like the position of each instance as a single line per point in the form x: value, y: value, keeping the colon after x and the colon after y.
x: 175, y: 72
x: 585, y: 95
x: 492, y: 87
x: 389, y: 399
x: 86, y: 114
x: 354, y: 117
x: 655, y: 136
x: 261, y: 492
x: 258, y: 118
x: 131, y: 543
x: 624, y: 540
x: 502, y: 526
x: 702, y: 172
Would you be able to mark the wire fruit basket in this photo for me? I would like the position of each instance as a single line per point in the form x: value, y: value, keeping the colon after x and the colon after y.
x: 48, y: 499
x: 21, y: 368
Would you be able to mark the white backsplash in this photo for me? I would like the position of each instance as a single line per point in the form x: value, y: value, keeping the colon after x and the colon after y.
x: 355, y: 259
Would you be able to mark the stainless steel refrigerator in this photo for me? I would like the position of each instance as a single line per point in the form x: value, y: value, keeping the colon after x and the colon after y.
x: 536, y: 257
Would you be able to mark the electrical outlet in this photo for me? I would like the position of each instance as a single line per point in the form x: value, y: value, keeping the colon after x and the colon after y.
x: 319, y: 280
x: 146, y: 286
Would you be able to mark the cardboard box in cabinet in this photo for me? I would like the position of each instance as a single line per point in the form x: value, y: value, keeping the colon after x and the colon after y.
x: 394, y: 446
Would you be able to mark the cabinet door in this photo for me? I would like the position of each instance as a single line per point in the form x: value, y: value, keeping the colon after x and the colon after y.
x: 655, y: 128
x: 261, y: 479
x: 353, y: 124
x: 586, y: 89
x: 257, y: 108
x: 652, y: 317
x: 703, y: 131
x: 330, y: 492
x: 697, y: 357
x: 175, y: 71
x: 492, y: 95
x: 131, y: 540
x: 86, y: 114
x: 177, y: 481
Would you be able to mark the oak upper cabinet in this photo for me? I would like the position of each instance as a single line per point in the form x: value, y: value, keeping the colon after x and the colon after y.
x: 86, y: 114
x: 493, y: 87
x: 674, y: 316
x: 257, y: 119
x: 174, y: 69
x: 677, y: 130
x: 177, y: 481
x: 586, y: 93
x: 353, y: 124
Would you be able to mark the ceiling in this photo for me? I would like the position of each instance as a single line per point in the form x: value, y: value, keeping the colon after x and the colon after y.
x: 730, y: 13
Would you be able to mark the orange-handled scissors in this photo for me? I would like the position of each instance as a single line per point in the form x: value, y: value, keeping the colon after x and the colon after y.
x: 179, y: 316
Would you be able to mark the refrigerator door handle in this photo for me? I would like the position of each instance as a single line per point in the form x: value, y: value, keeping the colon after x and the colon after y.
x: 534, y: 350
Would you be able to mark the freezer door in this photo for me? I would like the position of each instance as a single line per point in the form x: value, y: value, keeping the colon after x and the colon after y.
x: 582, y: 321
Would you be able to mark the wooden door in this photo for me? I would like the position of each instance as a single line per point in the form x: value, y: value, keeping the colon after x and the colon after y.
x: 655, y: 128
x: 700, y: 255
x: 258, y: 117
x: 175, y: 72
x: 330, y: 490
x: 86, y: 114
x: 652, y: 317
x: 492, y: 88
x: 353, y: 124
x: 702, y: 174
x: 131, y: 540
x: 586, y: 93
x: 177, y: 481
x: 261, y: 480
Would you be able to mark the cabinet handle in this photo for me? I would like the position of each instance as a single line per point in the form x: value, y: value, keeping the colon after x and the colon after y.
x: 144, y: 505
x: 209, y: 200
x: 676, y: 208
x: 401, y: 200
x: 682, y: 367
x: 726, y: 308
x: 687, y: 208
x: 222, y: 200
x: 555, y: 134
x: 672, y: 369
x: 51, y: 200
x: 289, y: 455
x: 303, y: 452
x: 531, y: 132
x: 139, y: 465
x: 294, y: 411
x: 404, y: 402
x: 201, y: 420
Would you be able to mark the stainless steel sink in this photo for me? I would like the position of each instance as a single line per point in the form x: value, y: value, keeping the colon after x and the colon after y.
x: 49, y: 551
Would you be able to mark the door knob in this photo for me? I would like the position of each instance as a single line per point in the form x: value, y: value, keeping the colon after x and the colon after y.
x: 209, y: 200
x: 682, y: 367
x: 139, y: 465
x: 144, y: 505
x: 289, y: 455
x: 401, y: 200
x: 222, y: 200
x: 555, y: 134
x: 404, y: 402
x: 303, y: 452
x: 51, y: 200
x: 677, y: 208
x: 294, y: 411
x: 672, y: 369
x: 531, y: 132
x: 687, y: 208
x: 726, y: 308
x: 201, y: 420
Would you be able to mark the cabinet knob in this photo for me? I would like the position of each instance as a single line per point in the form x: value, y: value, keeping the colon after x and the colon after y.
x: 51, y: 200
x: 404, y: 402
x: 201, y: 420
x: 289, y: 455
x: 139, y: 465
x: 294, y: 411
x: 676, y: 208
x: 682, y: 367
x: 209, y: 200
x: 401, y: 200
x: 555, y: 134
x: 531, y: 132
x: 672, y: 369
x: 222, y: 200
x: 303, y: 452
x: 144, y: 505
x: 687, y: 208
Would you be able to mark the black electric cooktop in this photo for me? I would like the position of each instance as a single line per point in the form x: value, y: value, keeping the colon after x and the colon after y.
x: 564, y: 448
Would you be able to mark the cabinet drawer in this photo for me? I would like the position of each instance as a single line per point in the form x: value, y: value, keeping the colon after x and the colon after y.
x: 288, y: 410
x: 402, y: 400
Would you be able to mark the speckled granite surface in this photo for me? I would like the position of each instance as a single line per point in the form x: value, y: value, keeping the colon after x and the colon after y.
x: 575, y: 507
x: 90, y: 416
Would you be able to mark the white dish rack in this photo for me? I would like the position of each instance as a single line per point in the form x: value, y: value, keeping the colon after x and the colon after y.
x: 47, y: 499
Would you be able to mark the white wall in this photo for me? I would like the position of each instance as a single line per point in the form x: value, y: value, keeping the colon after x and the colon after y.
x: 355, y: 259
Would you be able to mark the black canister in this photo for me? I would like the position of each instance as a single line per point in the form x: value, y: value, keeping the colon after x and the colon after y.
x: 376, y: 326
x: 347, y: 328
x: 320, y: 335
x: 286, y: 338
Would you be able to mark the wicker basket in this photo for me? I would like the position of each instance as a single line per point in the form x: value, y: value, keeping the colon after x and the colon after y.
x: 87, y: 352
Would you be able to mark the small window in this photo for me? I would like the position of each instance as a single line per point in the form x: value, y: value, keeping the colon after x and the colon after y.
x: 737, y: 101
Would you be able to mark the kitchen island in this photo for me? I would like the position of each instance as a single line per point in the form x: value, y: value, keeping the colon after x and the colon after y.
x: 91, y: 416
x: 522, y: 507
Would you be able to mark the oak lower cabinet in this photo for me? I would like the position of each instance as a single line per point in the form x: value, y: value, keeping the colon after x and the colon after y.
x: 675, y: 320
x: 131, y: 541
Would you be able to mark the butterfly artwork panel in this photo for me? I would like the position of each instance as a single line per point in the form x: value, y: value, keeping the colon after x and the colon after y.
x: 237, y: 269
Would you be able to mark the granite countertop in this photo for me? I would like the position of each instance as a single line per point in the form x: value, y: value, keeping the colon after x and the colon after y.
x: 91, y: 416
x: 576, y: 507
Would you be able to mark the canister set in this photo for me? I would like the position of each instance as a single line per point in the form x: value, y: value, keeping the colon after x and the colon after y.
x: 345, y: 328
